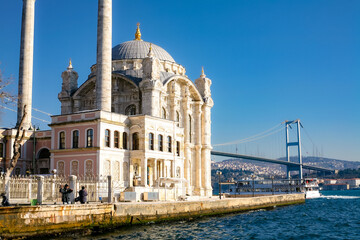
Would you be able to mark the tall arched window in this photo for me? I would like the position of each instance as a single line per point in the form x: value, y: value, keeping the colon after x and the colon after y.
x: 151, y: 141
x: 190, y: 128
x: 163, y: 113
x: 62, y: 140
x: 130, y: 110
x: 116, y: 139
x: 135, y: 141
x: 177, y: 119
x: 75, y: 139
x: 161, y: 142
x: 169, y: 144
x: 89, y: 137
x: 1, y: 150
x: 178, y: 148
x: 107, y: 138
x: 125, y: 140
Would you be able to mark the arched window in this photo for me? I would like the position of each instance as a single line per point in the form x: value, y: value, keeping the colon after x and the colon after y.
x: 89, y: 137
x: 169, y: 144
x: 161, y: 142
x: 177, y: 119
x: 125, y: 140
x: 74, y: 168
x: 88, y: 168
x: 151, y: 141
x: 135, y: 141
x: 61, y: 168
x: 1, y: 150
x: 116, y: 139
x: 178, y: 148
x: 190, y: 128
x: 62, y: 140
x: 130, y: 110
x: 163, y: 113
x: 107, y: 138
x: 75, y: 139
x: 44, y: 153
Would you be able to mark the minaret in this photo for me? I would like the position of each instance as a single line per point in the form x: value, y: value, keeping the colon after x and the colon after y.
x: 26, y: 62
x: 203, y: 85
x: 69, y: 86
x: 103, y: 62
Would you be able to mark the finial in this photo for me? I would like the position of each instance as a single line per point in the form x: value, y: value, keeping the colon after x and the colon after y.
x: 150, y: 54
x: 202, y: 72
x: 138, y: 33
x: 70, y: 65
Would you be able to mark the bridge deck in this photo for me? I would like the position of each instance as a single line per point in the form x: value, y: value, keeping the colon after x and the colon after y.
x: 260, y: 159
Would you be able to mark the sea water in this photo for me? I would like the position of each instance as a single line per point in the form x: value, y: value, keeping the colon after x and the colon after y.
x: 336, y: 215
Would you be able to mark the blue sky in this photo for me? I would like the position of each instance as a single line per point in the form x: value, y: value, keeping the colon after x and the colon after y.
x: 268, y: 60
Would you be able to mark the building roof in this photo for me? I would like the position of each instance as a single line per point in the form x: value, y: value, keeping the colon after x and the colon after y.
x: 138, y: 49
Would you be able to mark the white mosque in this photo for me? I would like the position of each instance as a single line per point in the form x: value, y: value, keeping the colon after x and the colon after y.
x: 137, y: 117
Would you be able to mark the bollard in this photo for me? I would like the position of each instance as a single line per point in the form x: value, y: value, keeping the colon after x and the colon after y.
x: 40, y: 192
x: 72, y: 180
x: 110, y: 193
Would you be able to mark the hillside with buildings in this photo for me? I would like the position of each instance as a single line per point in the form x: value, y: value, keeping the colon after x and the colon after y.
x: 237, y: 169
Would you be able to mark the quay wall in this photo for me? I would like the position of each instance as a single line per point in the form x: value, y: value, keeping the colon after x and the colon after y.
x: 55, y: 219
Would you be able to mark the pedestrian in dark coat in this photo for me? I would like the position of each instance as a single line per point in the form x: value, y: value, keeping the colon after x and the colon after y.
x: 5, y: 201
x: 65, y: 194
x: 83, y: 195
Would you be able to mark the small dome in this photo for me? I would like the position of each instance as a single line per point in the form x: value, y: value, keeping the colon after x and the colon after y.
x: 137, y: 49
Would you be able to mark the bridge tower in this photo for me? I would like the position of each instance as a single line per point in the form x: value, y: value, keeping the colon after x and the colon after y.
x: 292, y: 144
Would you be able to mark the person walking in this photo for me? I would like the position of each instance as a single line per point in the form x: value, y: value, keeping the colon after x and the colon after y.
x: 83, y: 195
x: 5, y: 201
x: 65, y: 194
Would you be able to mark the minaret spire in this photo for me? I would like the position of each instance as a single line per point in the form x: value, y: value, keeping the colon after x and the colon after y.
x: 150, y: 54
x: 138, y: 33
x: 70, y: 65
x: 26, y: 63
x: 103, y: 57
x: 202, y: 73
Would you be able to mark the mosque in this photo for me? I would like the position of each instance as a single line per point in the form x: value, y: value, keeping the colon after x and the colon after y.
x: 137, y: 116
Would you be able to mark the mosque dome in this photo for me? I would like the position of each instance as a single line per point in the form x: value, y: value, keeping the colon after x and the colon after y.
x: 137, y: 49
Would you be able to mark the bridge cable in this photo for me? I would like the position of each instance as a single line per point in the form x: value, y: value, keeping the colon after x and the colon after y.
x: 252, y: 138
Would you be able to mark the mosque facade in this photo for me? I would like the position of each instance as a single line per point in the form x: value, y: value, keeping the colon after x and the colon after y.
x: 137, y: 117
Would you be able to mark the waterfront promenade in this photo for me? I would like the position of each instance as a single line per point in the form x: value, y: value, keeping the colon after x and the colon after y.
x: 53, y: 219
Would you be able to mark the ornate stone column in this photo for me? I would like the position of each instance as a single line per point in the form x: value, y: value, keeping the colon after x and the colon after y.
x: 187, y: 150
x: 206, y: 146
x: 172, y: 102
x: 144, y: 162
x: 26, y: 62
x: 103, y: 58
x: 198, y: 163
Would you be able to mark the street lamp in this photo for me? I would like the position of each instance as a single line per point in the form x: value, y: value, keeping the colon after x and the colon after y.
x: 33, y: 165
x: 253, y: 185
x: 272, y: 184
x: 219, y: 173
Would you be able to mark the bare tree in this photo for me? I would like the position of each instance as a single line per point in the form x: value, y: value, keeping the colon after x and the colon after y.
x: 5, y: 95
x: 19, y: 137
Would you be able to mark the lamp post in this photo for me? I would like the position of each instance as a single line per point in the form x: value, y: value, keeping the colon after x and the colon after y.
x: 33, y: 165
x: 219, y: 173
x: 253, y: 185
x: 272, y: 184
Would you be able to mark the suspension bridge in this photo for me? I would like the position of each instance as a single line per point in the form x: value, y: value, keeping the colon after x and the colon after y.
x: 291, y: 166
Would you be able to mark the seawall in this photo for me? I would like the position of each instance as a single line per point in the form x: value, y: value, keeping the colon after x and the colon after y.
x: 52, y: 219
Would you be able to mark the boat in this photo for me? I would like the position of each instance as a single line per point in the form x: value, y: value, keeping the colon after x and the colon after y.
x: 311, y: 188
